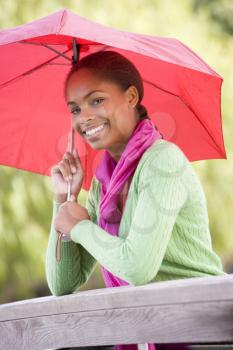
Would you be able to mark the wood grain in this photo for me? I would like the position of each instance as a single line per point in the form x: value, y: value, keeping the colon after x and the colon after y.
x: 197, y: 310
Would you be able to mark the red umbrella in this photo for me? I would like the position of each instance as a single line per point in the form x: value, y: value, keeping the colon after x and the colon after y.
x: 182, y: 93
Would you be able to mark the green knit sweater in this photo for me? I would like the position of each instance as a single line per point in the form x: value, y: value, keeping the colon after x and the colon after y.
x: 163, y: 234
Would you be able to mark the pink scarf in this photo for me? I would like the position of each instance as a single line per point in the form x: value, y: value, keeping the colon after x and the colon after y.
x: 113, y: 176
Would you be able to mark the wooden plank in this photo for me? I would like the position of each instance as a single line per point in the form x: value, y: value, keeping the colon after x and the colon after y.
x: 177, y: 291
x: 198, y: 310
x: 186, y: 323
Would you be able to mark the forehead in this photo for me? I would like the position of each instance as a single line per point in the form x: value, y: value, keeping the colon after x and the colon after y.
x: 84, y: 81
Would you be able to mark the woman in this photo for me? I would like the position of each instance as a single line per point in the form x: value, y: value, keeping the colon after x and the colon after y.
x: 146, y: 216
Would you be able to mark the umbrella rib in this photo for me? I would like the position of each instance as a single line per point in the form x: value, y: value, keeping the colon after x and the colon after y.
x: 190, y: 108
x: 47, y: 47
x: 30, y: 71
x: 43, y: 64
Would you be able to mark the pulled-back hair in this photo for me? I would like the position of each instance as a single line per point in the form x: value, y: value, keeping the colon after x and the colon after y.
x: 114, y: 67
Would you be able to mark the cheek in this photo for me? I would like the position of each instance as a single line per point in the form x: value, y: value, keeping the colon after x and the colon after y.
x: 123, y: 123
x: 120, y: 127
x: 119, y: 118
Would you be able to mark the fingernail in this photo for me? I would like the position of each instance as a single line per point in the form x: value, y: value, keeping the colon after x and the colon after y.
x: 70, y: 177
x: 73, y: 169
x: 67, y: 178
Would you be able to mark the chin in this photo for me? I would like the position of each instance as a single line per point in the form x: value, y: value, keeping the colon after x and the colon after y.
x: 97, y: 146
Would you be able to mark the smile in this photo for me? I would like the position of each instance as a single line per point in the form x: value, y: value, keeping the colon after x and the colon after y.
x: 95, y: 131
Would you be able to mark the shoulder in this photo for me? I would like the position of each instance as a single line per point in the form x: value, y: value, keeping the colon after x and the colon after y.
x: 164, y: 157
x: 161, y: 178
x: 165, y: 168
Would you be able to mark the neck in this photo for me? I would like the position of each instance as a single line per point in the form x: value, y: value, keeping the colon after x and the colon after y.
x: 117, y: 151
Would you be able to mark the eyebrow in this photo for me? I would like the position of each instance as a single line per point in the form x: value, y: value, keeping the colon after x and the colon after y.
x: 71, y: 103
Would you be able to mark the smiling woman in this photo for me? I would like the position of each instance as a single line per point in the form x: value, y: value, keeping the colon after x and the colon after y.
x: 146, y: 216
x: 105, y: 99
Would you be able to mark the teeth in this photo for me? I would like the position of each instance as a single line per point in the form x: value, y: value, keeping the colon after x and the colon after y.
x: 94, y: 131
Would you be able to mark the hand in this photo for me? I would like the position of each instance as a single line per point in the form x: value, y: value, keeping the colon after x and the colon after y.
x: 69, y: 214
x: 68, y: 169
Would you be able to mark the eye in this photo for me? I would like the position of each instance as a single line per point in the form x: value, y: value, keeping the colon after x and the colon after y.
x: 75, y: 111
x: 98, y: 101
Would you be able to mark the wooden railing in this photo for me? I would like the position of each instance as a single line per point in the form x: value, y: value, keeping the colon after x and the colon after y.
x: 193, y: 311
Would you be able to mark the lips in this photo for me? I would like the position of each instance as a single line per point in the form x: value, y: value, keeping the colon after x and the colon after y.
x: 92, y: 127
x: 94, y: 136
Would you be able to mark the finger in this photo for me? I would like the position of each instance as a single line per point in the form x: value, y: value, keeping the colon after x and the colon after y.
x: 63, y: 207
x: 71, y: 160
x: 64, y: 167
x: 72, y: 164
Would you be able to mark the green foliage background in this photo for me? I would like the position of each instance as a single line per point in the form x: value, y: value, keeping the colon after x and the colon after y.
x: 206, y: 26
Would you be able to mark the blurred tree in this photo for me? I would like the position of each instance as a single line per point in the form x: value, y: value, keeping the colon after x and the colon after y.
x: 26, y: 199
x: 220, y: 11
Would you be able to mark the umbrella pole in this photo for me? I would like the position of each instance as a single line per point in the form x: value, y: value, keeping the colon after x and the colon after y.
x: 70, y: 149
x: 75, y: 59
x: 61, y: 236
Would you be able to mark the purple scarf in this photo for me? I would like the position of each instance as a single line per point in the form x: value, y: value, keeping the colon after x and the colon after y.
x: 113, y: 176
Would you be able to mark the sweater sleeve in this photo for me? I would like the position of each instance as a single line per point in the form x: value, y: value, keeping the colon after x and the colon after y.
x: 136, y: 256
x: 77, y: 263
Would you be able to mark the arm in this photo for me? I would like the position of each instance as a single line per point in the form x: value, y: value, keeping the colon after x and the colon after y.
x: 136, y: 258
x: 77, y: 264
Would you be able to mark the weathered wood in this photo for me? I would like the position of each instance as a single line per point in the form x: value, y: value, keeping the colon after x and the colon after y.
x: 197, y: 310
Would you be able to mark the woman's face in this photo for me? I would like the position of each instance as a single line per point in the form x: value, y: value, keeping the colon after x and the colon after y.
x: 102, y: 113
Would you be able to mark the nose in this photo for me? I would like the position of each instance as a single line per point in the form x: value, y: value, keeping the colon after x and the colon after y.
x: 83, y: 118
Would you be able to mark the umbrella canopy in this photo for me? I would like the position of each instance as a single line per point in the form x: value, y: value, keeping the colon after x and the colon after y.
x: 182, y: 93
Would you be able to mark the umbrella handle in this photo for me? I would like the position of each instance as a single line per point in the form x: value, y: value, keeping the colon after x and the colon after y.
x: 61, y: 236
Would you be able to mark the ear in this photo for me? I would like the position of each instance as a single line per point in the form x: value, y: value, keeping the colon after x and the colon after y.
x: 132, y: 96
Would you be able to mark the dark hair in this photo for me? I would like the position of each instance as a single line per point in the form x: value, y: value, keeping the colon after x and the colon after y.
x: 114, y: 67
